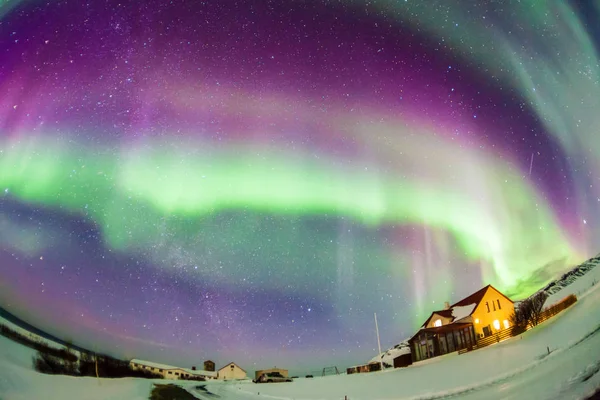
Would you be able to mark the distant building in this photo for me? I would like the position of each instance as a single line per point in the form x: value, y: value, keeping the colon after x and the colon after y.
x: 171, y: 372
x: 231, y: 371
x: 479, y: 315
x: 209, y: 365
x: 283, y: 372
x: 359, y: 369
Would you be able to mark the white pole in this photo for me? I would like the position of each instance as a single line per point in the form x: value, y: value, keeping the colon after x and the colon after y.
x: 378, y: 341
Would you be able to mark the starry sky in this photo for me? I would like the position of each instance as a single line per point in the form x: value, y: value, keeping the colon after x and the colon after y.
x: 250, y: 181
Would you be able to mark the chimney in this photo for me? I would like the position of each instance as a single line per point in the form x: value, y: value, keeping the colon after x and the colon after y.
x: 193, y: 368
x: 446, y: 305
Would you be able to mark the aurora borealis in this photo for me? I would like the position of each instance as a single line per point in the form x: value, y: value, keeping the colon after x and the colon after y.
x: 250, y: 181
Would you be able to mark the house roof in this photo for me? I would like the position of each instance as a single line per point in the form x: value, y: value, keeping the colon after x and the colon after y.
x: 171, y: 367
x: 444, y: 313
x: 473, y: 299
x: 476, y: 297
x: 225, y: 366
x: 441, y: 329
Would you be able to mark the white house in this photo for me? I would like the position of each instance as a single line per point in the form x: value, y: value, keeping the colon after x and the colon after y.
x: 171, y: 372
x: 231, y: 371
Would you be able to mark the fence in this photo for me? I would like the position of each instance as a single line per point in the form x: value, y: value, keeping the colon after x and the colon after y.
x: 517, y: 330
x: 555, y: 309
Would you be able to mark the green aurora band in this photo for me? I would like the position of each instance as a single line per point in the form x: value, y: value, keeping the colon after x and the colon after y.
x: 129, y: 196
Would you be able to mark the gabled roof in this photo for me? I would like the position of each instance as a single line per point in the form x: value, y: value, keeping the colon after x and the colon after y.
x: 441, y: 329
x: 476, y: 297
x: 225, y: 366
x: 444, y: 313
x: 473, y: 299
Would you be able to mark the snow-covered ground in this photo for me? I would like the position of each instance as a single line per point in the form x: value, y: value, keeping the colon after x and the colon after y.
x: 514, y: 369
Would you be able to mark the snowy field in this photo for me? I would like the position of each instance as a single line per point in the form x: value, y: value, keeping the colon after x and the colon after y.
x: 515, y: 369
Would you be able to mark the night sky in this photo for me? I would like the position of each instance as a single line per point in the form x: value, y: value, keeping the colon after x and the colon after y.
x: 250, y: 181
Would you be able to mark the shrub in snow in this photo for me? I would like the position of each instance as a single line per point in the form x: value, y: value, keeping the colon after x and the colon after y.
x: 110, y: 367
x: 529, y: 311
x: 49, y: 364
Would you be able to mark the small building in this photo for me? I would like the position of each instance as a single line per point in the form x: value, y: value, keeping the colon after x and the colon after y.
x: 359, y: 369
x: 283, y: 372
x: 209, y: 365
x: 231, y: 371
x: 172, y: 372
x: 403, y: 360
x: 459, y: 326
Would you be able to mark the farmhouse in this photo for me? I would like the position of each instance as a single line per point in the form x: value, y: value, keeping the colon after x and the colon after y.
x: 231, y: 371
x: 171, y: 372
x: 456, y: 327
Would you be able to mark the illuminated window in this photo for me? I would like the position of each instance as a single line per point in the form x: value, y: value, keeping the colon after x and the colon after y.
x: 476, y: 320
x: 506, y: 324
x: 496, y: 325
x: 438, y: 322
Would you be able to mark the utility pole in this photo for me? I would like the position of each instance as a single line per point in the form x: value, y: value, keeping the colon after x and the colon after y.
x: 378, y: 341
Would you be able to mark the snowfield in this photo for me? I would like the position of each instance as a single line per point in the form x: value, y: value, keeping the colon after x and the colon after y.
x: 560, y: 359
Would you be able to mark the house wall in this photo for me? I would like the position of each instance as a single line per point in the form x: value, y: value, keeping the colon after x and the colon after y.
x: 403, y: 361
x: 482, y: 317
x: 229, y: 373
x: 166, y: 373
x: 283, y: 372
x: 175, y: 373
x: 445, y: 321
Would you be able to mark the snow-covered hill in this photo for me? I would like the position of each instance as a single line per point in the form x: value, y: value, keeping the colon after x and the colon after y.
x: 575, y: 281
x: 388, y: 356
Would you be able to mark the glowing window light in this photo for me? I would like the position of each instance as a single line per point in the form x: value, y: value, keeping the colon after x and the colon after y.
x: 497, y: 325
x: 506, y: 324
x: 476, y: 320
x: 438, y: 322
